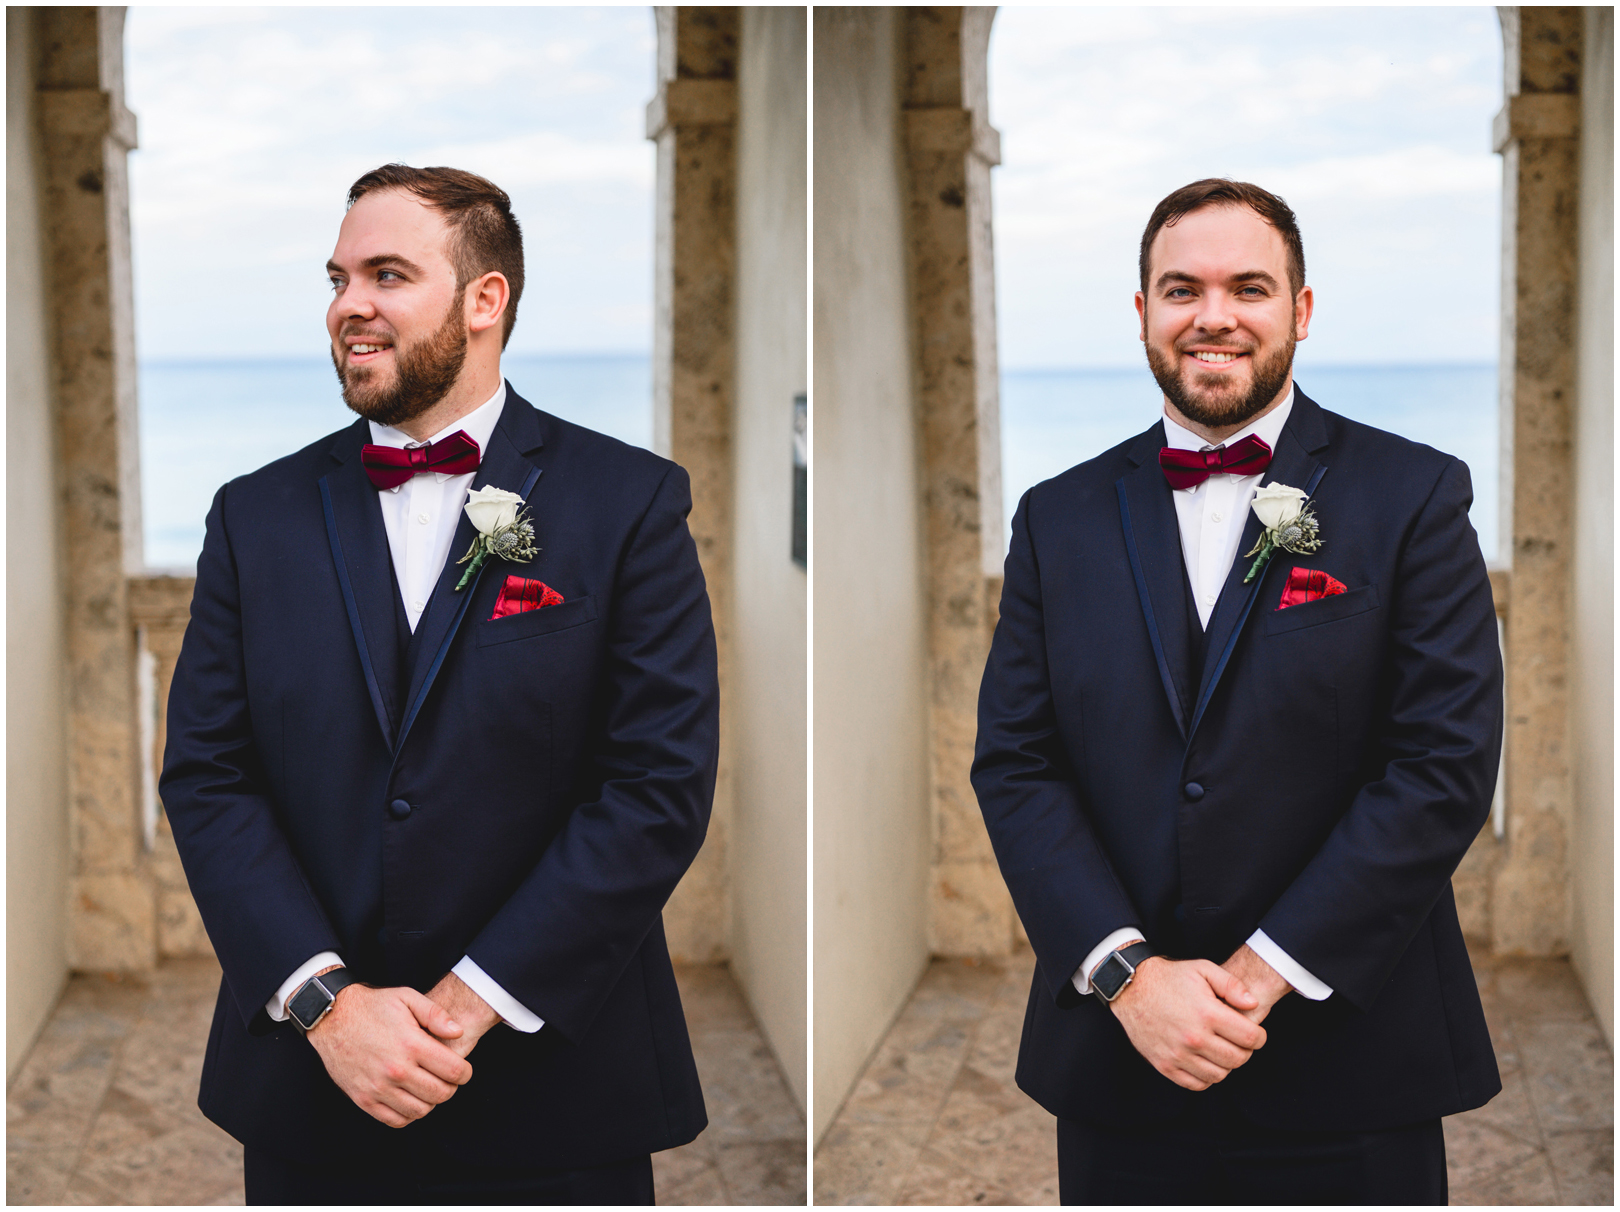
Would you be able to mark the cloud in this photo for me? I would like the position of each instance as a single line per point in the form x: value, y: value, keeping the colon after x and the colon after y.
x: 1399, y: 173
x: 254, y: 122
x: 1373, y: 123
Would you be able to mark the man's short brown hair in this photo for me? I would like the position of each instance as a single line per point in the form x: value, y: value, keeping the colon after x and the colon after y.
x: 484, y: 236
x: 1221, y: 191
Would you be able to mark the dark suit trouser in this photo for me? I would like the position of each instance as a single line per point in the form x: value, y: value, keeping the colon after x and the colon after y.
x: 1217, y: 1156
x: 425, y: 1176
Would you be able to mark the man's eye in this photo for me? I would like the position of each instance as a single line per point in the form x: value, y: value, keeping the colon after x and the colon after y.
x: 335, y: 283
x: 384, y: 275
x: 1179, y: 292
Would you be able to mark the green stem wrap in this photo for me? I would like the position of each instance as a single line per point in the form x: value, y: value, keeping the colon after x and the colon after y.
x: 472, y: 569
x: 1259, y: 563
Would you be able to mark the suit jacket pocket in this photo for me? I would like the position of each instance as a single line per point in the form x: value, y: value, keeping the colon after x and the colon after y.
x: 1323, y: 610
x: 572, y: 613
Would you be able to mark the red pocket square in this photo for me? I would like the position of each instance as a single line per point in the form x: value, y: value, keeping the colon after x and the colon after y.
x: 520, y: 594
x: 1307, y: 585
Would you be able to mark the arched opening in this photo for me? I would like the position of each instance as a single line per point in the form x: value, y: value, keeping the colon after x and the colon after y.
x: 254, y: 125
x: 1367, y: 121
x: 1374, y: 124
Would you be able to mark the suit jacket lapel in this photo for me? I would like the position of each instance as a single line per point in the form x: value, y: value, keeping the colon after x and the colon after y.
x: 359, y: 544
x: 1153, y: 543
x: 1294, y: 463
x: 506, y: 464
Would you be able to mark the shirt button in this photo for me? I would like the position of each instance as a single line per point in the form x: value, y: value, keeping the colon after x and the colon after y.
x: 423, y: 518
x: 1209, y: 600
x: 416, y: 605
x: 1214, y: 517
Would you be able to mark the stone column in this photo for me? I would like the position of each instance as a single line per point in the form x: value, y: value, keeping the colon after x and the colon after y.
x: 86, y: 135
x: 693, y: 121
x: 1537, y: 135
x: 160, y: 609
x: 951, y: 148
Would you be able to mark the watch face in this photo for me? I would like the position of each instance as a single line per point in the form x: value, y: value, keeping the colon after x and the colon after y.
x: 308, y: 1004
x: 1111, y: 976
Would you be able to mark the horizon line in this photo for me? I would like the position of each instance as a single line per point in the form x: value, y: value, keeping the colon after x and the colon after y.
x: 177, y: 359
x: 625, y: 354
x: 1142, y: 367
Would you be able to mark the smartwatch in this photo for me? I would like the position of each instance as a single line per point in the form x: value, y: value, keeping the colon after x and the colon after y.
x: 316, y: 995
x: 1117, y: 971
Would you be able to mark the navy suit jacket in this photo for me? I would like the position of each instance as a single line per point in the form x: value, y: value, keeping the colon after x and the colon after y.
x: 1319, y: 775
x: 558, y: 766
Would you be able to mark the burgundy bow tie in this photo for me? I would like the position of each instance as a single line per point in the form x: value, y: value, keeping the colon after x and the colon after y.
x: 1189, y: 468
x: 390, y: 466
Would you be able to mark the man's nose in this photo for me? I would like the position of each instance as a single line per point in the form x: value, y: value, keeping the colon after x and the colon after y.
x: 1215, y: 312
x: 355, y: 302
x: 359, y: 304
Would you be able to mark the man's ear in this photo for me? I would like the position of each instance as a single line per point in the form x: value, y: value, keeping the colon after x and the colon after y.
x: 486, y: 301
x: 1141, y: 317
x: 1304, y: 303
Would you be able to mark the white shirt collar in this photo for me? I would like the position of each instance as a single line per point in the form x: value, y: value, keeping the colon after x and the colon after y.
x: 1267, y: 428
x: 479, y: 425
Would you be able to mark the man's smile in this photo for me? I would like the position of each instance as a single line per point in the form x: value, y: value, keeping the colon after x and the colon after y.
x: 362, y: 352
x: 1216, y: 359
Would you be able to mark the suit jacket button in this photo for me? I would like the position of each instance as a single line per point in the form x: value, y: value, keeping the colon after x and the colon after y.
x: 1193, y: 791
x: 399, y: 810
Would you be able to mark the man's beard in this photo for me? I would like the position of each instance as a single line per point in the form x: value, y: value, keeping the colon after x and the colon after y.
x: 1220, y: 410
x: 423, y: 374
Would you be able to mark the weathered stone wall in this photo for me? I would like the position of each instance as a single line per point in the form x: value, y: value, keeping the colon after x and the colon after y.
x: 37, y: 858
x: 1536, y: 132
x: 950, y: 149
x: 85, y: 136
x: 693, y: 122
x: 1476, y: 875
x: 871, y: 661
x: 1592, y: 557
x: 768, y: 674
x: 160, y: 608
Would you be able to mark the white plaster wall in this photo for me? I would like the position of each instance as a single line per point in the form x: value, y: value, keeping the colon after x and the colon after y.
x: 36, y: 762
x: 870, y: 657
x: 1592, y: 659
x: 768, y: 674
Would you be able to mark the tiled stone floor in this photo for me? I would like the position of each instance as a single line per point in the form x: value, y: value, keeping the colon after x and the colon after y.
x: 753, y: 1150
x: 104, y: 1109
x: 936, y: 1118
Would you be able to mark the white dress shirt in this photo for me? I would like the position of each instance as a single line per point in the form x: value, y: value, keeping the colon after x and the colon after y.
x: 1211, y: 517
x: 421, y: 516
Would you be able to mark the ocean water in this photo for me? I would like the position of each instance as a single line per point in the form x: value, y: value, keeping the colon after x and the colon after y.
x: 203, y: 423
x: 1053, y: 419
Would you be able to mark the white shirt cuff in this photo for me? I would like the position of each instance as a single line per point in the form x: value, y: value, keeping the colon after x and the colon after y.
x: 1303, y: 982
x: 513, y: 1012
x: 1082, y: 975
x: 276, y: 1007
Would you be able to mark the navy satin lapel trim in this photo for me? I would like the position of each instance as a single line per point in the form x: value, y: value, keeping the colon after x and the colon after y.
x: 352, y: 606
x: 1237, y: 599
x: 1155, y: 635
x: 447, y: 607
x: 370, y: 566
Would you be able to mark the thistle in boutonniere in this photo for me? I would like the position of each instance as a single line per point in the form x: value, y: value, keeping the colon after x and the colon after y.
x: 1290, y: 525
x: 503, y: 531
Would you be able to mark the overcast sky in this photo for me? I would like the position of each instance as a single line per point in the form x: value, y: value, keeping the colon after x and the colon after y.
x: 1373, y: 124
x: 254, y: 122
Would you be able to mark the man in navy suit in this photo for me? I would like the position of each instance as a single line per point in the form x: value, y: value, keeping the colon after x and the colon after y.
x: 432, y: 809
x: 1240, y: 722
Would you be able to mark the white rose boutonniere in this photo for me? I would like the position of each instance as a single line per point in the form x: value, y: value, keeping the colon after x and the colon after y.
x: 1290, y: 525
x: 504, y: 530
